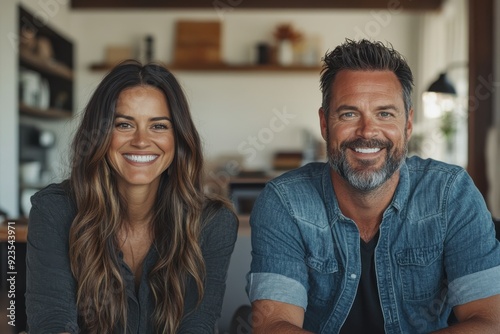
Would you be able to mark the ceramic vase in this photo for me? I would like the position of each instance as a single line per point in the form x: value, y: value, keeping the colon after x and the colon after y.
x: 285, y: 53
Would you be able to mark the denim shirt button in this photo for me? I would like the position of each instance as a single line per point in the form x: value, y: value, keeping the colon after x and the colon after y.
x: 353, y: 276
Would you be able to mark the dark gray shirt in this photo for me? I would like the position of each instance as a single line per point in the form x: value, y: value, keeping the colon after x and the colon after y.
x: 50, y: 292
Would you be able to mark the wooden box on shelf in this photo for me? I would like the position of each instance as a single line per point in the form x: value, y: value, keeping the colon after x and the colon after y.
x: 198, y: 42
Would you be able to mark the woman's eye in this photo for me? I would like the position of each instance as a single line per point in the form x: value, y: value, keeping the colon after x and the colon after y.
x: 160, y: 126
x: 123, y: 125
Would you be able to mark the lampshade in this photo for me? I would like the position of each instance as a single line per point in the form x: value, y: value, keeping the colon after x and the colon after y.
x: 442, y: 85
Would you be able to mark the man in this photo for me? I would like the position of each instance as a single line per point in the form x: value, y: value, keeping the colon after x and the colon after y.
x: 373, y: 241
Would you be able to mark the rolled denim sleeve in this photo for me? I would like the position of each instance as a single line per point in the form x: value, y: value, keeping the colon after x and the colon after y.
x: 278, y: 270
x: 50, y: 286
x: 218, y: 240
x: 472, y: 253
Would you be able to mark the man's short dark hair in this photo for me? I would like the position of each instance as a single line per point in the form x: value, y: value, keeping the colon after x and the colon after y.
x: 365, y: 55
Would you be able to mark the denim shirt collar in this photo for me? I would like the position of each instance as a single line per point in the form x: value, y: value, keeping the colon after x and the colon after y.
x: 398, y: 200
x: 331, y: 203
x: 403, y: 189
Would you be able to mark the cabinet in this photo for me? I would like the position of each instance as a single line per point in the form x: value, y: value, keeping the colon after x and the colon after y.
x: 45, y: 95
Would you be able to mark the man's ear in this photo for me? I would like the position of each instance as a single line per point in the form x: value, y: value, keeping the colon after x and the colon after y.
x: 409, y: 124
x: 323, y: 122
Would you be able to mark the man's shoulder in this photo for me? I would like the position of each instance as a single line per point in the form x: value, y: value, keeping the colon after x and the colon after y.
x: 436, y: 178
x: 305, y: 175
x: 418, y: 165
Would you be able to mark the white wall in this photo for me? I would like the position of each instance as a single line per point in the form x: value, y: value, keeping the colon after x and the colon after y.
x: 230, y: 108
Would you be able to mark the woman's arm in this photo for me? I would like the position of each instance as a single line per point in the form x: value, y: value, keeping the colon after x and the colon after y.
x: 217, y: 242
x: 50, y: 287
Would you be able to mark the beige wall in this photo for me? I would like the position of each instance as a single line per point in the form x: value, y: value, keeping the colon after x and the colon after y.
x: 232, y: 108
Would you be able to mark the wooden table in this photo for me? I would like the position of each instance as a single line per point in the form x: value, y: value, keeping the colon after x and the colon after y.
x: 19, y: 226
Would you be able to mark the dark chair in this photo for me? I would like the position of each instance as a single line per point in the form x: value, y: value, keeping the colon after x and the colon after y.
x: 241, y: 322
x: 496, y: 221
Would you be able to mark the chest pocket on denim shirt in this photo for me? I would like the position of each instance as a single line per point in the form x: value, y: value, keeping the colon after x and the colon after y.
x: 323, y: 278
x: 421, y: 272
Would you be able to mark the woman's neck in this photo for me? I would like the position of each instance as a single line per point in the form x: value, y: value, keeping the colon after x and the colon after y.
x: 139, y: 203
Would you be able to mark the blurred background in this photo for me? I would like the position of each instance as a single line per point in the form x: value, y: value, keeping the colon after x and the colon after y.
x: 251, y: 74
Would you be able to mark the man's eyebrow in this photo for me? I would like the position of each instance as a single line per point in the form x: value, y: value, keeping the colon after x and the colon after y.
x: 344, y: 107
x: 152, y: 119
x: 387, y: 107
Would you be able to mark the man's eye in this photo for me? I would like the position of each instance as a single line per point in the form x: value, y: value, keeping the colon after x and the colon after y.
x: 385, y: 114
x: 347, y: 115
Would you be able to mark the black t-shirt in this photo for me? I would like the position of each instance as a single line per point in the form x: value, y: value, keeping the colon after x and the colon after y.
x: 366, y: 314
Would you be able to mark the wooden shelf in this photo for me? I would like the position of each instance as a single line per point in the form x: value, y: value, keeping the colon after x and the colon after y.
x: 225, y: 68
x: 46, y: 66
x: 255, y: 4
x: 44, y: 113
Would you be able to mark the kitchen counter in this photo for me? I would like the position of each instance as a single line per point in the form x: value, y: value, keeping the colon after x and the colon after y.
x: 16, y: 228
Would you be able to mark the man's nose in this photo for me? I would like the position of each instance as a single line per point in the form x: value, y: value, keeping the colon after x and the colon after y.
x: 368, y: 128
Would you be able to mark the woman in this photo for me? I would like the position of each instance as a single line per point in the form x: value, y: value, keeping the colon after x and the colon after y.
x: 129, y: 243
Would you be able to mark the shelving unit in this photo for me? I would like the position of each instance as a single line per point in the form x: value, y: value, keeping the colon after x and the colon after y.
x: 43, y: 113
x: 48, y: 67
x: 57, y: 70
x: 47, y: 58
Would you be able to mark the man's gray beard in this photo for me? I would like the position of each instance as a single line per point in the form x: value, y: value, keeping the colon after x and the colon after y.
x: 366, y: 181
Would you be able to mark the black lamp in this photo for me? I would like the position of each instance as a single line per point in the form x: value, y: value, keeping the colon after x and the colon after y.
x: 442, y: 85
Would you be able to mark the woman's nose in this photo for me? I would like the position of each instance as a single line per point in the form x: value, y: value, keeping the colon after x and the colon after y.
x: 140, y: 138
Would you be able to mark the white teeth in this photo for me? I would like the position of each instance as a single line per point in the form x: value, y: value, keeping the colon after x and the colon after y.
x: 367, y: 150
x: 140, y: 158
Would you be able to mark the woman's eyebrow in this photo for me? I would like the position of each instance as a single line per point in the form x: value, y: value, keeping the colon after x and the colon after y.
x: 161, y: 118
x: 152, y: 119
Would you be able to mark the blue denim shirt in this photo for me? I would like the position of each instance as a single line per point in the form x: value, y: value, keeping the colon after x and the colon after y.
x: 436, y: 248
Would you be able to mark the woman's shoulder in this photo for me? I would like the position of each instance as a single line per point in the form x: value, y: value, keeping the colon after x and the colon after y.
x: 219, y: 217
x: 53, y: 201
x: 53, y: 194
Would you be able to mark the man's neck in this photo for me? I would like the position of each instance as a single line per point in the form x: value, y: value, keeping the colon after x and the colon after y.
x: 364, y: 208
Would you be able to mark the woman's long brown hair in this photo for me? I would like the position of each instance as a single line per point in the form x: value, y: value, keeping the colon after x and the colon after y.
x: 101, y: 297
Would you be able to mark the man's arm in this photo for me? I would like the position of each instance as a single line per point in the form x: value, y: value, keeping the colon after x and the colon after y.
x: 270, y: 316
x: 481, y: 316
